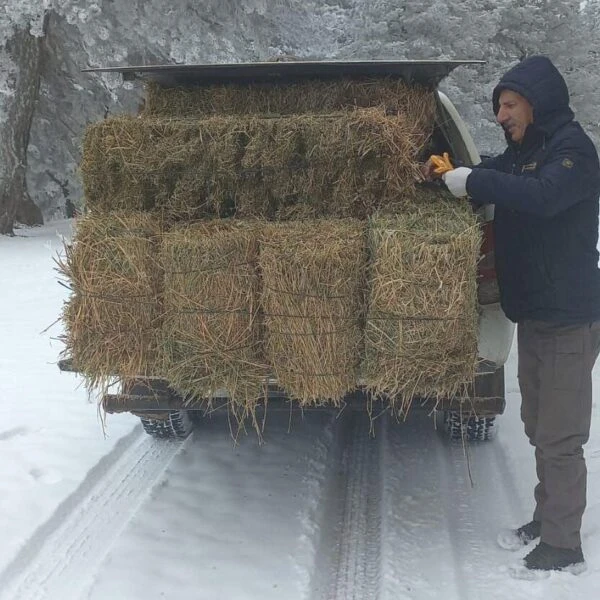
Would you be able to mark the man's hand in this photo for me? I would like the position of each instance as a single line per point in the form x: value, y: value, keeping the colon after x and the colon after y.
x: 428, y: 171
x: 442, y: 164
x: 436, y: 166
x: 456, y: 181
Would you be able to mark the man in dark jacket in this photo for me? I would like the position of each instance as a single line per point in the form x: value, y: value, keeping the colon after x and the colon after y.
x: 545, y: 189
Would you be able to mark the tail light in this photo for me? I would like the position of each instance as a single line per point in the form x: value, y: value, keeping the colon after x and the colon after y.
x: 487, y: 288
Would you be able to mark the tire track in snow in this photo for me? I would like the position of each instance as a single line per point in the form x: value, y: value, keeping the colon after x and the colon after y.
x: 347, y: 562
x: 60, y: 560
x: 439, y: 533
x: 417, y: 551
x: 476, y: 512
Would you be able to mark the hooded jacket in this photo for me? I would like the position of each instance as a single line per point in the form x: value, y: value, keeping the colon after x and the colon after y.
x: 545, y: 191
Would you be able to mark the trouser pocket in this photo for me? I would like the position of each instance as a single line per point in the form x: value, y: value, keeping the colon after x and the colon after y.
x: 569, y: 358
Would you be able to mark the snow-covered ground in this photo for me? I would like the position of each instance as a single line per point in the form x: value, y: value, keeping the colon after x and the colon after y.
x: 320, y: 511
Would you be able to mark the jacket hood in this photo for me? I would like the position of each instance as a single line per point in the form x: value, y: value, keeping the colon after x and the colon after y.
x: 539, y: 81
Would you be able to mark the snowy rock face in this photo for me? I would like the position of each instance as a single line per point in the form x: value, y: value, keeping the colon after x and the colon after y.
x: 94, y: 33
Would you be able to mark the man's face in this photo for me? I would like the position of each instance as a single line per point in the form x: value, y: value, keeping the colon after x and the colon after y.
x: 515, y: 114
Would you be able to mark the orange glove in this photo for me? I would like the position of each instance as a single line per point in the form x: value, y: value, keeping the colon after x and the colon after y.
x: 442, y: 164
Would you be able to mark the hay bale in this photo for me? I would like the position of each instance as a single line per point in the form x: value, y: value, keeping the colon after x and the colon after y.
x: 182, y: 169
x: 112, y: 319
x: 421, y: 326
x: 314, y: 96
x: 313, y: 303
x: 344, y: 165
x: 211, y: 329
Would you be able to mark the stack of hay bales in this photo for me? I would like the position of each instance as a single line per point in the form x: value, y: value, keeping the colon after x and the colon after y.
x: 334, y: 150
x: 293, y: 242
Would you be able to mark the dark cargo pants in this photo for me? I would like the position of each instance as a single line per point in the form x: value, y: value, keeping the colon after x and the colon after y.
x: 555, y: 377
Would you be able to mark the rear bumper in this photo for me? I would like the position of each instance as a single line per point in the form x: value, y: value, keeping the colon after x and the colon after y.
x: 484, y: 398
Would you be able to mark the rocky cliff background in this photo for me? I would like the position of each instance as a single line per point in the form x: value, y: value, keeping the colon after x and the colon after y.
x: 46, y: 101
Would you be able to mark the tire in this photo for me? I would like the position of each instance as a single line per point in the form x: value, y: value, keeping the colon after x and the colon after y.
x: 196, y: 416
x: 469, y: 428
x: 177, y: 425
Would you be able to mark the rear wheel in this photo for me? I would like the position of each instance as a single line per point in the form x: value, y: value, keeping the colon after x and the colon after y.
x: 176, y: 424
x: 197, y: 416
x: 470, y: 428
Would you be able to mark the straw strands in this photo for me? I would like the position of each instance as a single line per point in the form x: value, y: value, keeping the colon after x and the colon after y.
x: 346, y: 164
x: 183, y: 169
x: 313, y: 302
x: 211, y: 329
x: 308, y: 97
x: 112, y: 319
x: 421, y: 326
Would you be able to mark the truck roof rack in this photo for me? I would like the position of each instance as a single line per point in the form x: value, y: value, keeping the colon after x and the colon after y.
x: 425, y: 72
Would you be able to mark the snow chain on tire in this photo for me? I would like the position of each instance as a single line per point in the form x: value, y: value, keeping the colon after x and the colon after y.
x: 177, y: 425
x: 469, y: 428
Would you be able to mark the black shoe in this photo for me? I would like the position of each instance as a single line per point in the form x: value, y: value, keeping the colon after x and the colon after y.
x: 545, y: 557
x: 513, y: 539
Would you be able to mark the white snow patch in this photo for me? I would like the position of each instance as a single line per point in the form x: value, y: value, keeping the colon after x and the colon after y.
x: 243, y: 522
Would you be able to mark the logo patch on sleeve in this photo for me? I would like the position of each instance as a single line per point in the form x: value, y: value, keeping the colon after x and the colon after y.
x: 530, y: 167
x: 567, y: 163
